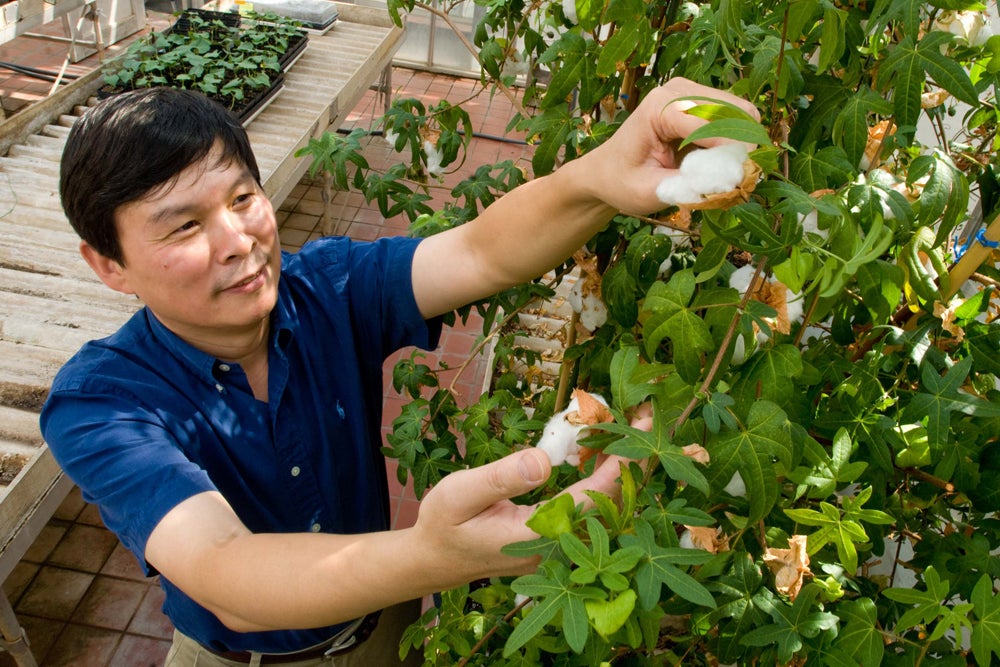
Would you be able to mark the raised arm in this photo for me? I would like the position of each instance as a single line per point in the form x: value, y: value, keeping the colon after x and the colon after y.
x: 255, y: 582
x: 538, y: 225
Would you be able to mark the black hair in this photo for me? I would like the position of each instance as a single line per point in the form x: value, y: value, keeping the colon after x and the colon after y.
x: 129, y: 145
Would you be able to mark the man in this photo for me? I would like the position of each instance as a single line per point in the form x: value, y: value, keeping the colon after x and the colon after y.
x: 229, y: 432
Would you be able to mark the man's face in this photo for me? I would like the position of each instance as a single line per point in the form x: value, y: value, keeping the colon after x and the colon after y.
x: 203, y: 255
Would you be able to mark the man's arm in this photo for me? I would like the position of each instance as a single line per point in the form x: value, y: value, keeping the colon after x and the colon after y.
x: 255, y: 582
x: 538, y: 225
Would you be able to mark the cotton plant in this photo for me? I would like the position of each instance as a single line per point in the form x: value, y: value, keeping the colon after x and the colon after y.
x: 563, y: 431
x: 848, y: 184
x: 786, y: 303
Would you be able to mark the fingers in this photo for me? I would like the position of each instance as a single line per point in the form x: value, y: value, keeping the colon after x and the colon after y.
x: 677, y: 123
x: 642, y: 417
x: 463, y: 495
x: 608, y: 470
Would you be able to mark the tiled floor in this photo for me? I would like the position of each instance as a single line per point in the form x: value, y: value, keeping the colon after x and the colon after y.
x: 78, y: 593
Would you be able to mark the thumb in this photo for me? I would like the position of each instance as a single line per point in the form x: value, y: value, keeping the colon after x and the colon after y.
x: 464, y: 494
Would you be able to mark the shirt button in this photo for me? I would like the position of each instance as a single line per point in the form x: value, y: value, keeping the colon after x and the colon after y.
x: 295, y: 471
x: 314, y: 528
x: 220, y: 388
x: 224, y: 368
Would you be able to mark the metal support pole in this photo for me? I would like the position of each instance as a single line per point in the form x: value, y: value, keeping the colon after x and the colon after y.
x: 13, y: 639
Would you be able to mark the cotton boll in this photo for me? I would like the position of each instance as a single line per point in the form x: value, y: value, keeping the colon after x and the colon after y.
x: 434, y: 159
x: 677, y: 190
x: 687, y: 540
x: 741, y: 277
x: 390, y: 137
x: 704, y: 171
x: 589, y: 306
x: 739, y: 350
x: 810, y: 225
x: 569, y: 11
x: 736, y: 487
x: 559, y: 440
x: 786, y: 303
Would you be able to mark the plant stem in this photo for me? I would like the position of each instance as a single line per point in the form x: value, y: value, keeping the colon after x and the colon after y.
x: 566, y: 368
x: 723, y: 347
x: 947, y: 487
x: 508, y: 93
x: 492, y: 631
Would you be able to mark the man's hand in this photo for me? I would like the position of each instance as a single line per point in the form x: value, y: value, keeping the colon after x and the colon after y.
x: 468, y: 517
x: 629, y: 166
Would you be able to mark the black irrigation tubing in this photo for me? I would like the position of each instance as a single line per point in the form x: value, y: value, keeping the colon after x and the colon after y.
x: 36, y: 73
x: 477, y: 135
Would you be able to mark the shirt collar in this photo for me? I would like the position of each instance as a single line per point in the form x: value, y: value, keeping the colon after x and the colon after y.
x: 284, y: 324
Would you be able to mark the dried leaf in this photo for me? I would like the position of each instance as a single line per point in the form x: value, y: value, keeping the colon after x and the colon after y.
x: 696, y: 452
x: 712, y: 540
x: 590, y: 411
x: 591, y: 277
x: 790, y: 566
x: 775, y: 294
x: 947, y: 315
x: 933, y: 98
x: 877, y: 134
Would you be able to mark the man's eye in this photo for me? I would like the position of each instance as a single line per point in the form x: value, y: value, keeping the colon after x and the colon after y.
x: 242, y: 199
x: 190, y: 224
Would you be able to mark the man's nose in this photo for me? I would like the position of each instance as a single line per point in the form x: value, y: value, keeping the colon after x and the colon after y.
x: 235, y: 237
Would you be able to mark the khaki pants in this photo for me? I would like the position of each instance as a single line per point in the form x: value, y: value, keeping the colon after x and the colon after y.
x: 379, y: 650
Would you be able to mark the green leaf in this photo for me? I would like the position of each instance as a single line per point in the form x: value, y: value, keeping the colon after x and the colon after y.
x: 792, y: 623
x: 737, y: 129
x: 572, y: 50
x: 940, y: 397
x: 815, y: 170
x: 640, y: 445
x: 618, y: 291
x: 618, y: 50
x: 554, y: 518
x: 671, y: 318
x: 711, y: 258
x: 550, y: 129
x: 659, y: 567
x: 625, y: 391
x: 925, y: 605
x: 906, y: 66
x: 752, y: 451
x: 769, y: 375
x: 986, y: 629
x: 850, y: 130
x: 832, y: 42
x: 860, y: 635
x: 608, y: 616
x: 553, y: 595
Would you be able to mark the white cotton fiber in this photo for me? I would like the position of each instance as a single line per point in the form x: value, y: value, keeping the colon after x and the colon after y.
x: 434, y: 159
x: 705, y: 171
x: 560, y: 435
x: 591, y: 309
x: 569, y: 11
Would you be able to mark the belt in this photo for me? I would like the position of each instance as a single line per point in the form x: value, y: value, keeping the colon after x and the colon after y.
x: 343, y: 642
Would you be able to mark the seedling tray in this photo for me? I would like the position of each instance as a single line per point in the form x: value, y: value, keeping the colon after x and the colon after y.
x: 183, y: 22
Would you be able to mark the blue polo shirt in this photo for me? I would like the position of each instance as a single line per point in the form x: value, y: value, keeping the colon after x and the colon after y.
x: 142, y: 421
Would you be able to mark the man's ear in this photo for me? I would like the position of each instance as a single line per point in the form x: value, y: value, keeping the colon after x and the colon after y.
x: 111, y: 272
